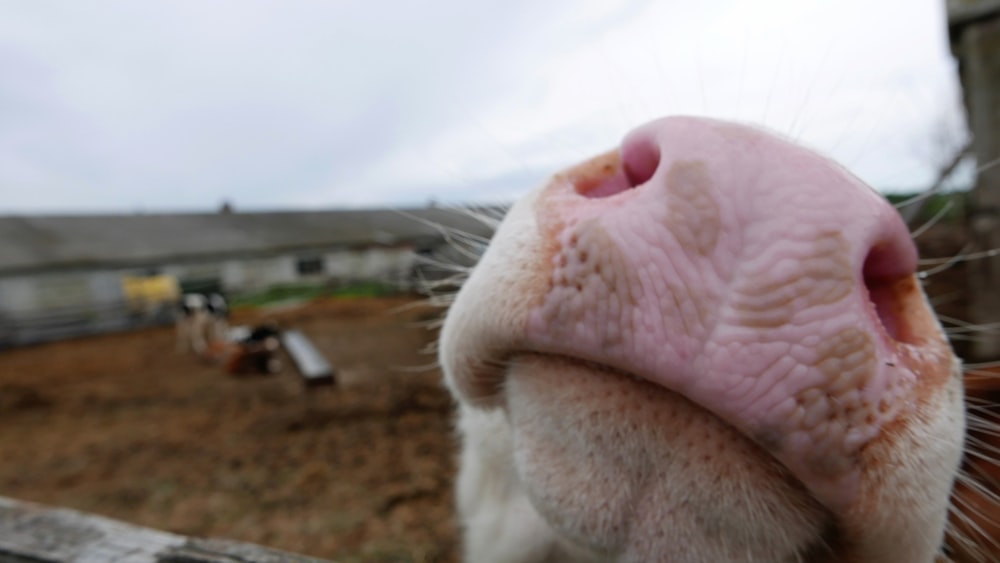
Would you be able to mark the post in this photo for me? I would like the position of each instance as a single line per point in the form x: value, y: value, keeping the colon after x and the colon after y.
x: 974, y: 30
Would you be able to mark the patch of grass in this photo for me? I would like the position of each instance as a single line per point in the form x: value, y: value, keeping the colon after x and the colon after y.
x: 365, y: 289
x: 312, y: 291
x: 303, y: 292
x: 957, y: 200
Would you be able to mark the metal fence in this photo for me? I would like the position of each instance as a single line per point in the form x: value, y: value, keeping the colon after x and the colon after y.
x: 18, y: 329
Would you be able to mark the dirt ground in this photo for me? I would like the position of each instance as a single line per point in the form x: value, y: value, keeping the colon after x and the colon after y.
x: 125, y: 426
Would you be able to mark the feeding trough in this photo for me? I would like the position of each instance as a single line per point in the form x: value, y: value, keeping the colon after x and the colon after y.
x: 313, y: 367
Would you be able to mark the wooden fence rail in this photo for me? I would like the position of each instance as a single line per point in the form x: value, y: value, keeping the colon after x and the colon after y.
x: 39, y: 534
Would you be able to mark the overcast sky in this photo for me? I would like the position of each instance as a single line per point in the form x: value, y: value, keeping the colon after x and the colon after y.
x: 179, y: 105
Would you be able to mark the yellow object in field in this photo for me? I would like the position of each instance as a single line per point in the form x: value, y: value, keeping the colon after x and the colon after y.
x: 149, y: 292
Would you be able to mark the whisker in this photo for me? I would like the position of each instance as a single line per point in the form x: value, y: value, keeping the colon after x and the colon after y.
x: 988, y: 165
x: 945, y: 263
x: 975, y: 546
x: 910, y: 209
x: 987, y: 329
x: 975, y: 486
x: 978, y: 367
x: 981, y: 449
x: 947, y: 207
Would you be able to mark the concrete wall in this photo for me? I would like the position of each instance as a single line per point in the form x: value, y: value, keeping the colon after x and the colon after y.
x: 57, y: 305
x: 29, y: 294
x: 392, y: 265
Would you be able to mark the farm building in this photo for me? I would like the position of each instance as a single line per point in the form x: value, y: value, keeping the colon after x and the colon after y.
x: 72, y: 275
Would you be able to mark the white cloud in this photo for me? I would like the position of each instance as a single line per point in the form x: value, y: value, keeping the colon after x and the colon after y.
x: 114, y: 104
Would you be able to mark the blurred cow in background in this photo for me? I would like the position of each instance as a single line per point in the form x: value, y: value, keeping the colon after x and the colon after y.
x: 200, y: 321
x: 254, y: 350
x: 192, y: 319
x: 218, y: 311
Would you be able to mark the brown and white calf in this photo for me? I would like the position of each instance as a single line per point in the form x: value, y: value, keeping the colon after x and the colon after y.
x: 708, y: 345
x: 201, y: 320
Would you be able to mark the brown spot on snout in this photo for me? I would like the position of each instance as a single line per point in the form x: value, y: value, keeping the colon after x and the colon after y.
x: 588, y: 265
x: 847, y: 361
x: 821, y: 277
x: 592, y: 174
x: 831, y: 410
x: 693, y: 215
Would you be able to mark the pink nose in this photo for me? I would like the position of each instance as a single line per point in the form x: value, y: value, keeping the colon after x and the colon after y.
x: 757, y: 278
x: 832, y: 191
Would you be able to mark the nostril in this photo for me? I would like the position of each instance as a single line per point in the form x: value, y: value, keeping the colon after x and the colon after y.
x: 639, y: 158
x: 890, y: 286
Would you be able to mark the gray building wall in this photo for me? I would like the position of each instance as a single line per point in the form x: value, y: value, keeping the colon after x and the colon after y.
x: 392, y: 265
x: 55, y: 305
x: 51, y: 305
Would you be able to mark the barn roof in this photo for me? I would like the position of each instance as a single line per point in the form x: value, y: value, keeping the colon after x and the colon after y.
x: 34, y: 243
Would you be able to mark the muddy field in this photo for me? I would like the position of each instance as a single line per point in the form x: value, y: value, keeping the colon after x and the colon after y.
x: 125, y: 426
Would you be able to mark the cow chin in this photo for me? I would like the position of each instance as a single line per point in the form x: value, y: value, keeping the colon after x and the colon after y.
x: 622, y: 469
x: 630, y: 470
